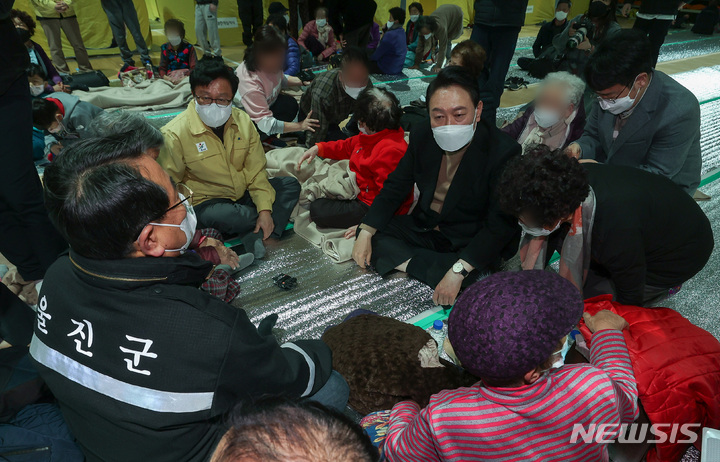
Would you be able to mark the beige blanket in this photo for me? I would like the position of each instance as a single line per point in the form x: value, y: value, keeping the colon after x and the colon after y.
x: 321, y: 179
x: 148, y: 95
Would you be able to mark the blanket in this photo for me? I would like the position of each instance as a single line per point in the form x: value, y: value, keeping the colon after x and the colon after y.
x: 321, y: 179
x: 148, y: 95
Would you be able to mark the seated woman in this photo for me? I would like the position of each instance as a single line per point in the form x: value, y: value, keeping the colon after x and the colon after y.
x: 25, y: 26
x: 373, y: 154
x: 177, y: 56
x: 557, y: 117
x: 318, y: 37
x: 261, y: 83
x: 292, y: 55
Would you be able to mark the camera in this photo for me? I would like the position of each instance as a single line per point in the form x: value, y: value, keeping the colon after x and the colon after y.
x: 583, y: 29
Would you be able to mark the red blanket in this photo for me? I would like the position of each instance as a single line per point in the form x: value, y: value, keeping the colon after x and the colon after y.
x: 677, y: 367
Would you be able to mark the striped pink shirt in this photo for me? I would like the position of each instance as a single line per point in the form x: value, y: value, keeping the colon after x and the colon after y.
x: 530, y: 423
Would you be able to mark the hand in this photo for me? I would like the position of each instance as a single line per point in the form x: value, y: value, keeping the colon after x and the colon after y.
x: 309, y: 124
x: 266, y: 223
x: 210, y: 242
x: 60, y: 7
x: 227, y: 256
x: 415, y: 67
x: 447, y: 290
x: 572, y: 29
x: 306, y: 83
x: 585, y: 45
x: 604, y: 320
x: 213, y: 8
x: 588, y: 161
x: 309, y: 156
x: 343, y: 43
x: 435, y: 69
x: 573, y: 150
x: 626, y: 9
x: 56, y: 148
x: 362, y: 250
x: 350, y: 232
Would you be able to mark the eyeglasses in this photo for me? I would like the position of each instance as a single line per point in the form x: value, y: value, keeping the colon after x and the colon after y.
x: 614, y: 98
x: 186, y: 196
x: 205, y: 100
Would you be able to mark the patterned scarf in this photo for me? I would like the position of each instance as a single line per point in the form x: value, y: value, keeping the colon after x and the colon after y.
x: 575, y: 252
x: 323, y: 34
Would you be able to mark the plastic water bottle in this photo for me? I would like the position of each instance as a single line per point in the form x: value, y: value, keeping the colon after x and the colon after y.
x: 438, y: 332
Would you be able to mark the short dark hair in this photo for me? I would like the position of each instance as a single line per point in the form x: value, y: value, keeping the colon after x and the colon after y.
x: 175, y: 24
x: 25, y: 18
x: 354, y: 55
x: 379, y: 109
x: 209, y: 69
x: 430, y: 22
x: 278, y: 20
x: 473, y: 56
x: 567, y: 2
x: 277, y: 429
x: 98, y: 201
x: 36, y: 70
x: 544, y: 185
x: 268, y: 39
x: 322, y: 8
x: 619, y: 60
x: 455, y: 76
x: 44, y: 112
x: 416, y: 5
x: 398, y: 14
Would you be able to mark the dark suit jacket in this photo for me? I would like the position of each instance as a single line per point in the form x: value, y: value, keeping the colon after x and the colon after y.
x: 471, y: 218
x: 661, y: 136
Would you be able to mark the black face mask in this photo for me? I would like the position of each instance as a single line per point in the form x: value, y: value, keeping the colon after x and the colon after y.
x: 597, y: 10
x: 23, y: 34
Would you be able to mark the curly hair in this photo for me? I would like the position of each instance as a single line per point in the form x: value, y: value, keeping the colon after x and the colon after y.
x: 543, y: 186
x: 25, y: 18
x: 378, y: 109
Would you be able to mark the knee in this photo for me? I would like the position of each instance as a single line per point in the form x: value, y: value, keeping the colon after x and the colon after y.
x: 289, y: 185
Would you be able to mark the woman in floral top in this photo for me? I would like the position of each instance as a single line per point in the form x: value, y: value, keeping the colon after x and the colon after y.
x: 177, y: 56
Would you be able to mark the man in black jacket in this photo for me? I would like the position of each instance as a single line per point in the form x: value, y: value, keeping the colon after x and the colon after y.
x: 143, y: 364
x: 550, y: 29
x: 497, y: 26
x: 457, y: 226
x: 654, y: 19
x: 644, y: 235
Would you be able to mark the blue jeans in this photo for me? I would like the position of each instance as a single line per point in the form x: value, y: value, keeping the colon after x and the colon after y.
x: 334, y: 394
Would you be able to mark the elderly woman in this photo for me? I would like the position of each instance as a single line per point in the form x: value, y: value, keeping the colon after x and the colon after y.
x: 557, y: 117
x: 25, y: 26
x: 373, y: 155
x: 261, y: 83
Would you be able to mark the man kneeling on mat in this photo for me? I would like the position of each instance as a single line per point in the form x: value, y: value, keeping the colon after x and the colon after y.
x: 507, y: 330
x: 457, y: 226
x: 373, y: 154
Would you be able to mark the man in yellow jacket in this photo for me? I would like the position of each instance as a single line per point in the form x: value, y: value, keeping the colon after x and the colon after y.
x: 215, y: 150
x: 57, y: 15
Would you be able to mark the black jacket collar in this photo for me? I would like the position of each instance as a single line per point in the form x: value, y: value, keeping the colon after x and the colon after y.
x: 138, y: 272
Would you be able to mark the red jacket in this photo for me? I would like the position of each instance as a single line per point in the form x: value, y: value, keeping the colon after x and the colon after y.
x: 372, y: 158
x: 677, y: 368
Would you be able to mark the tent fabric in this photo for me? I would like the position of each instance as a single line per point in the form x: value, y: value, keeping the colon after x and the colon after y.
x: 94, y: 27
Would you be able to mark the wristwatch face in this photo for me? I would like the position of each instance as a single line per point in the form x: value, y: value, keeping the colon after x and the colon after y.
x: 458, y: 267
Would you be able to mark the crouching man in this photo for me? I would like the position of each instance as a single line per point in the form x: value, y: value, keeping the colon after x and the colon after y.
x: 142, y: 363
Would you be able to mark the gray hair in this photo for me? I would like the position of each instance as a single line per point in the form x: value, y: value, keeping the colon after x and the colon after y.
x: 378, y: 109
x: 139, y: 131
x: 574, y: 86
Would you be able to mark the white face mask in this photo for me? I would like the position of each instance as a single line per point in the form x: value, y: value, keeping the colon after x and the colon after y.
x: 561, y: 354
x: 414, y: 17
x: 321, y: 22
x: 620, y: 105
x: 389, y: 24
x: 452, y: 138
x: 363, y: 130
x: 538, y: 232
x: 427, y: 36
x: 60, y: 128
x: 174, y: 40
x: 188, y: 226
x: 561, y: 15
x: 353, y: 92
x: 37, y: 90
x: 546, y: 118
x: 213, y: 115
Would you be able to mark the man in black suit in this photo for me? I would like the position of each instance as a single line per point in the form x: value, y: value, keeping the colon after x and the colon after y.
x: 457, y: 226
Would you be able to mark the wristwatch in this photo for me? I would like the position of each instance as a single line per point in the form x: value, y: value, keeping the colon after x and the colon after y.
x: 460, y: 269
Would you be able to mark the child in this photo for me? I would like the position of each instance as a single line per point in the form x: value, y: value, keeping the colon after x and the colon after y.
x: 318, y: 37
x: 507, y: 330
x: 206, y: 23
x: 389, y: 56
x: 177, y: 56
x: 37, y: 78
x: 64, y: 117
